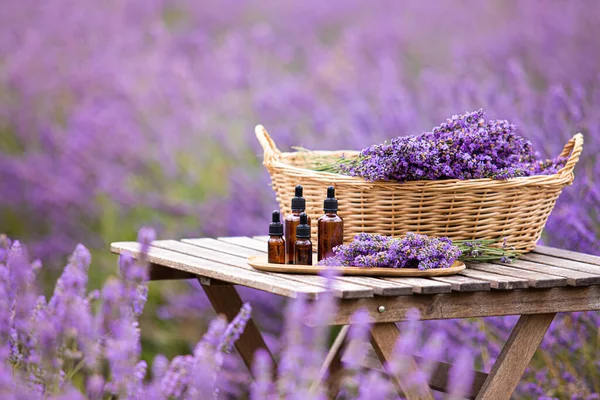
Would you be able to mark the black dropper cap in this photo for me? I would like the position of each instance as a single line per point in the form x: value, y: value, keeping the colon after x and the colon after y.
x: 276, y: 227
x: 303, y: 229
x: 330, y: 204
x: 298, y: 202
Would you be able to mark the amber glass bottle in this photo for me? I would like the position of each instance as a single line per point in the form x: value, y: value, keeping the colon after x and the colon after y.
x: 291, y: 222
x: 276, y: 243
x: 303, y: 247
x: 330, y: 225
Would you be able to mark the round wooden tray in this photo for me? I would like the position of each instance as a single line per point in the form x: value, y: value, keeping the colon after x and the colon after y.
x: 260, y: 263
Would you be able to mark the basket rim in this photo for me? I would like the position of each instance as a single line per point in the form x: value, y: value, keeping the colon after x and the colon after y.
x: 339, y: 178
x: 274, y: 160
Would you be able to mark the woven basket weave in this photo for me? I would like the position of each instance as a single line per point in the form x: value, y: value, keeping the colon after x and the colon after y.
x: 460, y: 209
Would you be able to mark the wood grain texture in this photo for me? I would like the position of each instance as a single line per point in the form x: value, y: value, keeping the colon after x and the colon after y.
x: 534, y: 279
x: 574, y: 278
x: 515, y: 356
x: 226, y: 300
x: 561, y: 262
x: 464, y: 283
x: 423, y: 286
x: 438, y: 379
x: 383, y: 339
x: 568, y: 255
x: 500, y: 282
x: 227, y: 273
x: 475, y: 304
x: 237, y: 254
x: 383, y: 287
x: 245, y: 241
x: 260, y: 262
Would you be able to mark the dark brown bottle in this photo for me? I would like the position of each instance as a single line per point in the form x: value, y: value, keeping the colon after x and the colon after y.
x: 291, y: 222
x: 303, y: 247
x: 276, y: 243
x: 330, y: 226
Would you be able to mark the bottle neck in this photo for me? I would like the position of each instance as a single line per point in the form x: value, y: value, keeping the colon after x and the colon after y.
x: 297, y: 211
x: 331, y: 213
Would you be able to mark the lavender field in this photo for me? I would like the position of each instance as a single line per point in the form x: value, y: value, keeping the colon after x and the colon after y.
x: 116, y: 115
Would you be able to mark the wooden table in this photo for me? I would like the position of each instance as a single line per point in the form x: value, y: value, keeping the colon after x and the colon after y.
x: 536, y: 287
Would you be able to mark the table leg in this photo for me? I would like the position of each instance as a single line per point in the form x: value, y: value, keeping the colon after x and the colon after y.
x: 226, y: 300
x: 383, y: 339
x: 515, y: 356
x: 332, y: 368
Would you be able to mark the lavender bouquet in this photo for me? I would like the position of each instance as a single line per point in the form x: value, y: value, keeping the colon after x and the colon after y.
x: 413, y: 251
x: 464, y: 147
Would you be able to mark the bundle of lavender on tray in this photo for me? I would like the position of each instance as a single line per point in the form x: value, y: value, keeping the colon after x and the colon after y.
x: 412, y: 251
x: 464, y: 147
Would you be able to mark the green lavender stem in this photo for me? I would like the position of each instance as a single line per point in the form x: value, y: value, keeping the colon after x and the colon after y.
x: 482, y: 250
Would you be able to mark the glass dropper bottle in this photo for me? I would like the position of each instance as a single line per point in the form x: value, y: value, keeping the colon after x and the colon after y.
x: 303, y: 245
x: 276, y: 243
x: 291, y: 222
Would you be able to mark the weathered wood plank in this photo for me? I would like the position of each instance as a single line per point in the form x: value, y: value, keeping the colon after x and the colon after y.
x: 219, y: 271
x: 423, y: 286
x: 236, y: 254
x: 561, y: 262
x: 500, y: 282
x: 574, y: 278
x: 461, y: 283
x: 223, y: 247
x: 568, y: 255
x: 226, y: 300
x: 474, y: 304
x: 381, y: 287
x: 515, y: 356
x: 383, y: 339
x: 438, y: 379
x: 535, y: 279
x: 245, y: 241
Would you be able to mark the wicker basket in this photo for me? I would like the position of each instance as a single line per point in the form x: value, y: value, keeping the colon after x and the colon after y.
x: 460, y: 209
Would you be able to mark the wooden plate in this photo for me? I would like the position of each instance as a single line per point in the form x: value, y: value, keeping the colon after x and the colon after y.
x: 260, y: 263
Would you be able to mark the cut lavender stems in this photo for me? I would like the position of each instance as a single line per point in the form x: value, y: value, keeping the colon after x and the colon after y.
x: 464, y: 147
x: 413, y: 251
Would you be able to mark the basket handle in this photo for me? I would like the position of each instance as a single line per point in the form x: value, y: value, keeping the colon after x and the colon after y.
x: 573, y: 150
x: 272, y: 153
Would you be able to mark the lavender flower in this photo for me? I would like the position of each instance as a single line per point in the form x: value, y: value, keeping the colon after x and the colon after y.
x: 461, y: 376
x: 463, y: 147
x: 85, y: 166
x: 412, y: 251
x: 235, y: 328
x: 263, y: 388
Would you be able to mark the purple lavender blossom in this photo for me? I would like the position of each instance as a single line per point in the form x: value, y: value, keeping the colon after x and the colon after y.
x: 343, y: 92
x: 464, y: 147
x: 235, y: 329
x: 262, y: 388
x: 461, y: 376
x: 412, y: 251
